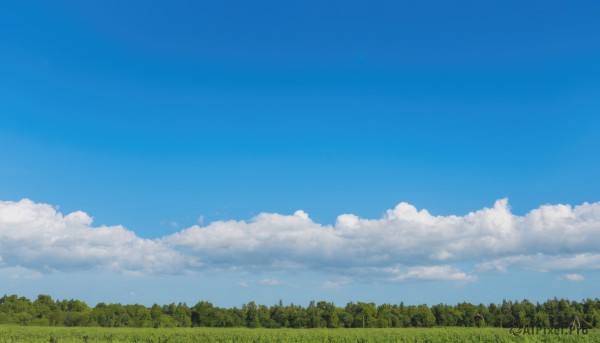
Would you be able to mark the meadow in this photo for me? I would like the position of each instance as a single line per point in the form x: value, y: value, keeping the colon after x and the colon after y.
x: 13, y: 334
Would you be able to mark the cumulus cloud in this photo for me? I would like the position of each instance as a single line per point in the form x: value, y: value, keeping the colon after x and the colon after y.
x: 551, y: 237
x: 404, y: 244
x: 37, y: 237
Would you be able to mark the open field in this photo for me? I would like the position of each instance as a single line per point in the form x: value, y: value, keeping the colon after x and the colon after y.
x: 12, y: 334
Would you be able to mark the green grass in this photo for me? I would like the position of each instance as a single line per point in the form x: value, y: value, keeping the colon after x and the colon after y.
x: 13, y: 334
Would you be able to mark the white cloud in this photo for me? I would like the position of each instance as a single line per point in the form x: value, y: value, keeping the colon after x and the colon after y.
x: 269, y: 282
x: 38, y: 237
x: 404, y: 235
x: 405, y: 243
x: 543, y: 263
x: 337, y: 282
x: 440, y: 273
x: 574, y: 277
x: 22, y: 273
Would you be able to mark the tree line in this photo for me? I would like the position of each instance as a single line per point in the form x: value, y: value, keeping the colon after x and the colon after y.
x: 44, y: 311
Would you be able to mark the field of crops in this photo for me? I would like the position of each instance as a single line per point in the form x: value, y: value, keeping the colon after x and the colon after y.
x: 12, y: 334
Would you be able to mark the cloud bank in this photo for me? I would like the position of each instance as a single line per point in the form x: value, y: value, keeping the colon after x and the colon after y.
x: 404, y: 244
x: 37, y: 237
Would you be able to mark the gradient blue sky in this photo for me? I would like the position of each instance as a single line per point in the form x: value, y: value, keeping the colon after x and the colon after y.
x: 162, y: 115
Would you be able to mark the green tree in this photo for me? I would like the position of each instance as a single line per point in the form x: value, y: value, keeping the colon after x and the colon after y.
x: 140, y: 315
x: 251, y: 312
x: 182, y: 315
x: 364, y: 314
x: 279, y: 315
x: 43, y: 307
x: 422, y: 317
x: 156, y: 315
x: 23, y: 318
x: 313, y: 315
x: 385, y: 316
x: 329, y: 315
x: 264, y: 317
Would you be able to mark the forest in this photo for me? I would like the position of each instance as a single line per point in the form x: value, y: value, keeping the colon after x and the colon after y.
x: 44, y: 311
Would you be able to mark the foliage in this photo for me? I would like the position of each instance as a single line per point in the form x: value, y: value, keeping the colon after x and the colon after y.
x: 45, y: 311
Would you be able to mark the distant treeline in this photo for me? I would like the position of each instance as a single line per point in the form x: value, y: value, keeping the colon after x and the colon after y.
x: 45, y: 311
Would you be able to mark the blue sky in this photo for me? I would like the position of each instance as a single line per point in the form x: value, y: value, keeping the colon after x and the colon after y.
x: 153, y: 117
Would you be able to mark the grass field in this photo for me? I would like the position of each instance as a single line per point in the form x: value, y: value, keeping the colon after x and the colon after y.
x: 11, y: 334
